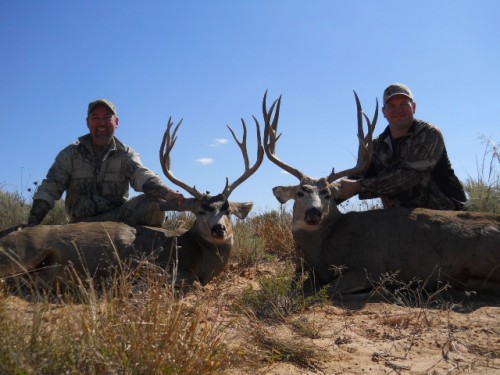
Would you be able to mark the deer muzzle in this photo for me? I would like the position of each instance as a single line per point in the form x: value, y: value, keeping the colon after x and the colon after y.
x: 313, y: 216
x: 218, y: 231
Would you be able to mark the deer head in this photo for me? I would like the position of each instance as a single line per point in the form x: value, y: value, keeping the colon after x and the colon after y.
x: 314, y: 199
x: 213, y: 213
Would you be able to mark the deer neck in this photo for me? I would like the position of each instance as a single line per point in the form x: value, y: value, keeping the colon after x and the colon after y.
x: 215, y: 253
x: 309, y: 242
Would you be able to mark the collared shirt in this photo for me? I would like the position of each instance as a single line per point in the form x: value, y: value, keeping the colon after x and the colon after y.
x: 413, y: 171
x: 93, y: 184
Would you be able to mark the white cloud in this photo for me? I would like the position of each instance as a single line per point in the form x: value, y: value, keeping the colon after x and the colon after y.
x: 205, y: 161
x: 218, y: 142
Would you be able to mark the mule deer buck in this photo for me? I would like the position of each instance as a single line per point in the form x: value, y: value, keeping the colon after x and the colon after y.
x: 95, y: 250
x: 356, y: 248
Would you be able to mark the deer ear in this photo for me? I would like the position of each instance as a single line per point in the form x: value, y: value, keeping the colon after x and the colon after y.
x: 284, y: 193
x: 241, y: 210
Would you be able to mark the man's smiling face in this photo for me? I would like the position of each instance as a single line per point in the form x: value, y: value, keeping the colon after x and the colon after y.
x: 102, y: 123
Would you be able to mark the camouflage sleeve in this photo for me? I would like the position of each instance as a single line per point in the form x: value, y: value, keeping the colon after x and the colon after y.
x: 424, y: 151
x: 137, y: 172
x: 57, y: 180
x: 389, y: 184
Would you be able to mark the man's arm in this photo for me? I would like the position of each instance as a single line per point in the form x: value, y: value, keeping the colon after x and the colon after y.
x: 422, y: 154
x: 39, y: 210
x: 155, y: 187
x: 51, y: 188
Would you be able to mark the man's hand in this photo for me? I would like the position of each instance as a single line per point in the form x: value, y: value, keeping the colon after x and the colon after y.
x: 32, y: 221
x: 156, y: 188
x: 175, y: 196
x: 39, y: 210
x: 13, y: 228
x: 349, y: 188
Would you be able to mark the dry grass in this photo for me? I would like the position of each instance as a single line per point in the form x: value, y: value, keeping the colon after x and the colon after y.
x: 484, y: 190
x: 275, y: 231
x: 253, y: 318
x: 130, y: 328
x: 276, y: 348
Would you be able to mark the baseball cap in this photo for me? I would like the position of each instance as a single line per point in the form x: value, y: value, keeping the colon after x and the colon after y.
x: 99, y: 102
x: 397, y: 89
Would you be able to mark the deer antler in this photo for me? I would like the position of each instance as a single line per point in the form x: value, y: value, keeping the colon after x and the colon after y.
x: 365, y: 144
x: 229, y: 188
x: 271, y: 137
x: 167, y: 144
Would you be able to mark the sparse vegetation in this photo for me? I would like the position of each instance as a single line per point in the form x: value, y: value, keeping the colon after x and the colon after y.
x: 127, y: 329
x: 484, y: 190
x: 14, y: 209
x: 253, y: 318
x: 274, y: 348
x: 278, y: 297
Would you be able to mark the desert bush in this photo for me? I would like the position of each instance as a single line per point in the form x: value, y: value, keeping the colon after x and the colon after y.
x: 278, y: 297
x: 274, y: 229
x: 274, y: 348
x: 413, y: 293
x: 483, y: 191
x: 262, y: 237
x: 14, y: 209
x: 248, y: 248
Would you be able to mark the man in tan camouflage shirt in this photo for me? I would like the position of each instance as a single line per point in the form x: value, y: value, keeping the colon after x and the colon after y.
x: 410, y: 165
x: 95, y: 172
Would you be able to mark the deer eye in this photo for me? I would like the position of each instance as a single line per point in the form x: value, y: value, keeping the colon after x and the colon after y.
x: 325, y: 192
x: 201, y: 213
x: 300, y: 194
x: 225, y: 206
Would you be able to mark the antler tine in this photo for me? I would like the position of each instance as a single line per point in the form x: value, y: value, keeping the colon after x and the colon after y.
x: 271, y: 137
x: 365, y: 143
x: 243, y: 143
x: 271, y: 131
x: 167, y: 144
x: 229, y: 188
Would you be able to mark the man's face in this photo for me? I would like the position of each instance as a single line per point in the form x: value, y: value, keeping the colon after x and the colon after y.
x: 102, y: 123
x: 399, y: 111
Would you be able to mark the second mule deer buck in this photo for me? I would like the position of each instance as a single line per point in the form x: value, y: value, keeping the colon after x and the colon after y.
x: 357, y: 248
x: 96, y: 250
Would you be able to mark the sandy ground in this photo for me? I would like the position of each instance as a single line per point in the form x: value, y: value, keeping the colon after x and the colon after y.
x: 360, y: 335
x: 363, y: 335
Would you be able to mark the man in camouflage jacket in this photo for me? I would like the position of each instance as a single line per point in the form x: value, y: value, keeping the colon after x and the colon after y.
x: 96, y: 171
x: 410, y: 165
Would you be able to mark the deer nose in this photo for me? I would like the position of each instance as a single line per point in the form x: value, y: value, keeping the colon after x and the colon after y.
x: 312, y: 216
x: 218, y: 230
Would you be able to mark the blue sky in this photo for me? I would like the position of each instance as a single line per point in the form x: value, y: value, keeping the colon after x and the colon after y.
x: 210, y: 62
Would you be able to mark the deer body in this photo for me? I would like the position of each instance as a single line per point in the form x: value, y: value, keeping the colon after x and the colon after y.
x: 353, y: 250
x: 98, y: 249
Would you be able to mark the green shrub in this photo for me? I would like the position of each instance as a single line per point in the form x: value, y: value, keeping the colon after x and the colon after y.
x: 278, y: 297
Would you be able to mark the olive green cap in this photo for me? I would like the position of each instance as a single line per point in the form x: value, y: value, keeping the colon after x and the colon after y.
x: 101, y: 102
x: 397, y: 89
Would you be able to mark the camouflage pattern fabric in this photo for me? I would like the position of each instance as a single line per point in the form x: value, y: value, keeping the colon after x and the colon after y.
x: 140, y: 210
x: 94, y: 185
x: 413, y: 171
